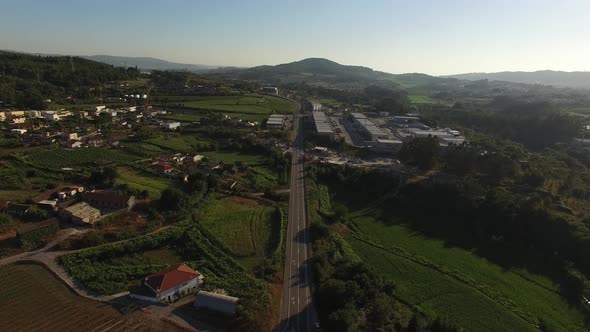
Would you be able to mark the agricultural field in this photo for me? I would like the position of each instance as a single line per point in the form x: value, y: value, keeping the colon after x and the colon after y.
x: 261, y: 177
x: 252, y: 107
x: 55, y: 157
x: 459, y: 285
x: 418, y: 99
x: 183, y: 117
x: 32, y: 299
x: 136, y: 181
x: 178, y: 143
x: 243, y: 225
x: 579, y: 110
x: 232, y: 157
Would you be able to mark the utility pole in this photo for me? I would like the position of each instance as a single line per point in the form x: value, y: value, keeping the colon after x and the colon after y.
x: 72, y: 63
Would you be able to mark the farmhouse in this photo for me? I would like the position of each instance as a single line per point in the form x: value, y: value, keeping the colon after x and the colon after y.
x: 80, y: 213
x: 109, y: 200
x: 162, y: 167
x: 218, y: 303
x: 169, y: 285
x: 275, y: 121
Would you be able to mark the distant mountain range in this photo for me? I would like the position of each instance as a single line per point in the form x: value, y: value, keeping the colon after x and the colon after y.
x: 144, y: 63
x: 575, y: 79
x: 147, y: 63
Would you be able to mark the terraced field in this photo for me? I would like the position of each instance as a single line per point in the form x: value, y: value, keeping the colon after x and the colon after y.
x: 33, y: 300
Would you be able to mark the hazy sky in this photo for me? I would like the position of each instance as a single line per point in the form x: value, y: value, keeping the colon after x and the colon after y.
x: 430, y: 36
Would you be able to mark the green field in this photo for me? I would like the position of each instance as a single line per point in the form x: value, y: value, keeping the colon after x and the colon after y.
x: 457, y: 284
x: 137, y: 181
x: 183, y: 117
x: 252, y: 107
x: 243, y: 225
x: 232, y: 157
x: 56, y: 157
x: 580, y: 110
x: 262, y: 177
x: 418, y: 99
x: 32, y: 299
x: 178, y: 143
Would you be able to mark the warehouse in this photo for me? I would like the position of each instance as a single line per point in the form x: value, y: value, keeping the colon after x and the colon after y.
x: 322, y: 125
x: 275, y: 121
x: 367, y: 128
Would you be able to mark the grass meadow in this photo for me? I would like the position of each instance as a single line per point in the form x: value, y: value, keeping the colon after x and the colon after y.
x: 242, y: 225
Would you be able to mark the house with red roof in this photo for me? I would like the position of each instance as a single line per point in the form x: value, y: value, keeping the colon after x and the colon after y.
x: 162, y: 167
x: 169, y: 285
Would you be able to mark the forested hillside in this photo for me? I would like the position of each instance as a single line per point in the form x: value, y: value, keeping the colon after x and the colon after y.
x: 27, y: 80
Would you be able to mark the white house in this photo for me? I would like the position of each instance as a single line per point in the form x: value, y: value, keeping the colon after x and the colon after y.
x: 169, y: 285
x: 171, y: 125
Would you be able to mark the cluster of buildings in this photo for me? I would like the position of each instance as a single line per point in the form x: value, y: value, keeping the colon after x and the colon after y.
x: 72, y: 204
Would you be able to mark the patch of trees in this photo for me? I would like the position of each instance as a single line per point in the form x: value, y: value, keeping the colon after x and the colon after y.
x: 27, y: 80
x: 536, y: 125
x: 496, y: 197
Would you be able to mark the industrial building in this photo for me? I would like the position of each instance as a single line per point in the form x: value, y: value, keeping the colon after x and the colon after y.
x: 367, y: 128
x: 386, y: 145
x: 408, y: 122
x: 275, y: 121
x: 218, y: 303
x: 445, y: 136
x: 322, y: 125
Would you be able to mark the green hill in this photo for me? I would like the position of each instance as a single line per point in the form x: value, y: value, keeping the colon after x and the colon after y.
x: 27, y: 80
x: 327, y: 73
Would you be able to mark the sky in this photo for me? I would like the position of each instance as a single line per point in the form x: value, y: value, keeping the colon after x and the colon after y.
x: 436, y: 37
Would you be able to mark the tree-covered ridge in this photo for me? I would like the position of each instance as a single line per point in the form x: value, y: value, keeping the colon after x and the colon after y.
x: 27, y: 80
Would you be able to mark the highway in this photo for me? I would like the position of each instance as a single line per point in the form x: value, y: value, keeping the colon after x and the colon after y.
x: 297, y: 311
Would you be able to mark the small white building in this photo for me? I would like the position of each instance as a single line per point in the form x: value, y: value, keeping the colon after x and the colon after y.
x: 70, y: 136
x: 171, y: 125
x: 18, y: 131
x: 218, y: 303
x: 99, y: 109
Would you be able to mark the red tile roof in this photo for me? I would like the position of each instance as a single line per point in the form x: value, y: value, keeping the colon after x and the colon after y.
x: 170, y: 278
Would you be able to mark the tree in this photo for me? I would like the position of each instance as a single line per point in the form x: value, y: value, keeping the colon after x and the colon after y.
x: 422, y: 152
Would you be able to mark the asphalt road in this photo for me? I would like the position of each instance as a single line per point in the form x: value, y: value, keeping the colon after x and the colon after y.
x: 297, y: 311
